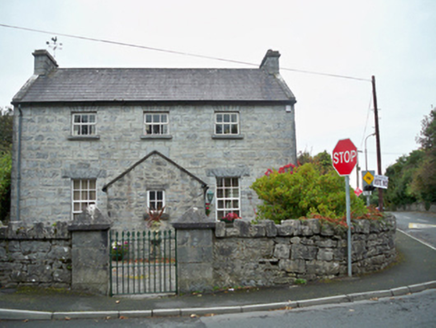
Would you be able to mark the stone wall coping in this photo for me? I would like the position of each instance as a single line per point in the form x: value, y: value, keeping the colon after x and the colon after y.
x: 89, y: 227
x: 18, y: 230
x: 304, y: 228
x: 194, y: 225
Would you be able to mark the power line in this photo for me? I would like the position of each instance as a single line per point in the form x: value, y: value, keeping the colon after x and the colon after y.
x: 178, y: 52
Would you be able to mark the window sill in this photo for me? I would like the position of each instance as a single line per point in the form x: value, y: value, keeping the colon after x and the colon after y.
x: 88, y: 138
x: 228, y: 136
x: 156, y: 137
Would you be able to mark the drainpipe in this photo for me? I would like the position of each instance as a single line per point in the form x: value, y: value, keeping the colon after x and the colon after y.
x: 20, y: 121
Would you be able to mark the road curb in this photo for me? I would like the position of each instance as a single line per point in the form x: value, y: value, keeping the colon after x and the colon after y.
x: 324, y: 300
x: 85, y: 315
x: 12, y: 314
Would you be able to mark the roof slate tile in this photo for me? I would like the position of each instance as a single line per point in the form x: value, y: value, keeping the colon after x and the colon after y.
x: 155, y: 84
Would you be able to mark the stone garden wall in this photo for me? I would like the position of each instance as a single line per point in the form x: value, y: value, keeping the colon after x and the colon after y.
x: 61, y: 255
x: 417, y: 207
x: 267, y: 254
x: 212, y: 254
x: 35, y: 255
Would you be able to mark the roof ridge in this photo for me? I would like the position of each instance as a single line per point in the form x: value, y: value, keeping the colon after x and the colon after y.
x: 163, y: 68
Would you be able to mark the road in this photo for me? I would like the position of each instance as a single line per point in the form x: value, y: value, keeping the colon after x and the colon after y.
x: 419, y: 225
x: 415, y: 310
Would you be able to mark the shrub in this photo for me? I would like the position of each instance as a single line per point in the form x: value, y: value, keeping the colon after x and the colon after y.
x: 303, y: 192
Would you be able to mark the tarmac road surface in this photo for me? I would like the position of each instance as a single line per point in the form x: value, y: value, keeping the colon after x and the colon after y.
x: 419, y: 225
x: 416, y: 310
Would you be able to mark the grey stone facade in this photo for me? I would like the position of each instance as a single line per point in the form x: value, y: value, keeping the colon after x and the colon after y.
x: 50, y: 156
x: 127, y: 194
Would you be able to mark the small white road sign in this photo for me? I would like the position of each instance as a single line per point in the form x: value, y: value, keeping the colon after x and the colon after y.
x: 381, y: 181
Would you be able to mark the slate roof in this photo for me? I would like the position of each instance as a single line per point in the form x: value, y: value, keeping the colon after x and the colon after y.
x: 154, y: 84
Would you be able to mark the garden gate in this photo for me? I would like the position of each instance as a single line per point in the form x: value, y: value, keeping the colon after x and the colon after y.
x: 143, y: 262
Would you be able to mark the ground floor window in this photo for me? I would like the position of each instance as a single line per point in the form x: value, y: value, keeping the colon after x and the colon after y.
x: 155, y: 199
x: 227, y: 197
x: 84, y: 194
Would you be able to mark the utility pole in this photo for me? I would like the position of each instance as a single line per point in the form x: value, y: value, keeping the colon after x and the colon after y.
x: 377, y: 138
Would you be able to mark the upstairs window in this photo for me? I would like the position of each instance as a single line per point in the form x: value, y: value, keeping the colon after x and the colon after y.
x: 226, y: 123
x: 227, y: 197
x: 84, y: 194
x: 84, y: 124
x: 155, y: 199
x: 156, y: 123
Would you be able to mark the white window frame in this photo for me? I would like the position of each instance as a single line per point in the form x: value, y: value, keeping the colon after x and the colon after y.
x: 83, y: 194
x: 227, y: 123
x: 154, y: 124
x: 228, y: 196
x: 151, y: 203
x: 82, y: 126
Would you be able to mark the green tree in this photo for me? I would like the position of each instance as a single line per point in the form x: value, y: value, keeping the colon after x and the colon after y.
x: 322, y: 161
x: 413, y: 178
x: 400, y: 178
x: 6, y: 120
x: 423, y: 184
x: 427, y: 138
x: 5, y: 184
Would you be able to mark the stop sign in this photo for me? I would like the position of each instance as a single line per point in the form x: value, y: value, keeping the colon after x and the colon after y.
x: 344, y: 157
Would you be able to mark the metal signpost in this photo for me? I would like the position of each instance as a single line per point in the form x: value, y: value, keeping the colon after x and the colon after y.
x: 344, y: 160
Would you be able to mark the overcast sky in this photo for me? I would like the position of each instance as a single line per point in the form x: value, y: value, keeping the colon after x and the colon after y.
x: 394, y: 40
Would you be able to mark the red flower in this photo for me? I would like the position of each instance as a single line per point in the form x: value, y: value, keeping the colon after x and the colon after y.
x: 230, y: 217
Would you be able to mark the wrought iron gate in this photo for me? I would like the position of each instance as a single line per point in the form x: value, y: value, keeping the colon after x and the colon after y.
x: 143, y: 262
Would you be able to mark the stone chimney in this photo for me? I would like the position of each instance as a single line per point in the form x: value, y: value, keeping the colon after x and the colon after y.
x: 270, y: 62
x: 44, y: 62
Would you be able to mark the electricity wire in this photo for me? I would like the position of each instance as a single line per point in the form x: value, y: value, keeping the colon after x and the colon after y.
x: 177, y: 52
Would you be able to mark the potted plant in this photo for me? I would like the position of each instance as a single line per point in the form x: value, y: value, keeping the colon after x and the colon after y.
x: 229, y: 218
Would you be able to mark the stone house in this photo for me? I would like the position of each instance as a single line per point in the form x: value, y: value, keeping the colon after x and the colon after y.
x: 130, y: 138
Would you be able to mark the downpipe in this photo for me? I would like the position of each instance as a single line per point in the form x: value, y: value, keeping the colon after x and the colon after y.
x: 20, y: 122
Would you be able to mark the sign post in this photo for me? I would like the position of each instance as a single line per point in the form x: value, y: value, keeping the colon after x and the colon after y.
x: 344, y: 160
